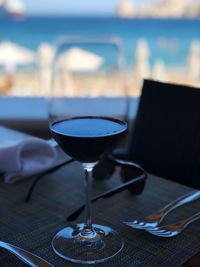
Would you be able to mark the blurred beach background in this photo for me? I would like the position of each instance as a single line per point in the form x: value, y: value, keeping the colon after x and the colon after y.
x: 165, y: 48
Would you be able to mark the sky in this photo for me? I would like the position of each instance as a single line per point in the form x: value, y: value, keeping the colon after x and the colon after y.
x: 72, y: 7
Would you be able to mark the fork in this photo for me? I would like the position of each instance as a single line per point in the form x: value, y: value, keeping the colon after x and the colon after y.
x: 27, y: 257
x: 173, y: 229
x: 155, y: 219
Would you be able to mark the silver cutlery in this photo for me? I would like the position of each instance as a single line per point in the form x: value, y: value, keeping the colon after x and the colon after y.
x: 173, y: 229
x: 155, y: 219
x: 27, y: 257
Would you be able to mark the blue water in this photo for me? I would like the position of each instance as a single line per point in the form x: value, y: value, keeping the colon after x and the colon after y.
x: 167, y: 39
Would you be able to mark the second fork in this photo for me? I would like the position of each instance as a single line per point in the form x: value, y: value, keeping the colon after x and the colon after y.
x: 155, y: 219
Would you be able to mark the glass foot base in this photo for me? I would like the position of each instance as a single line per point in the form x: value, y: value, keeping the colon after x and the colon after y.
x: 74, y: 245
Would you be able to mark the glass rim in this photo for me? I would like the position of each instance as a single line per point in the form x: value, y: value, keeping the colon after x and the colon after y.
x: 87, y: 39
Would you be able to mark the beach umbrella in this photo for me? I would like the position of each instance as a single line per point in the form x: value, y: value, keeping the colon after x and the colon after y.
x: 14, y: 54
x: 159, y: 71
x: 142, y: 53
x: 78, y: 59
x: 45, y: 56
x: 194, y: 61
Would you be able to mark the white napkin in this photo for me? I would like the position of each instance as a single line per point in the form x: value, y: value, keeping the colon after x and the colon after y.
x: 22, y: 155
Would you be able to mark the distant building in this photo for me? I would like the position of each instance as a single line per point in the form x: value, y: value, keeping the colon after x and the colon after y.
x: 171, y: 8
x: 159, y: 9
x: 194, y: 10
x: 12, y: 8
x: 125, y: 8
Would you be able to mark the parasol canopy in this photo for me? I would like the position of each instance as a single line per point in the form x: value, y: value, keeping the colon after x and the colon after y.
x: 78, y: 59
x: 14, y: 54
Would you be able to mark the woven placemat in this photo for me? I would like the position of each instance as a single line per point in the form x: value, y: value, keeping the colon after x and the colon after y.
x: 32, y: 226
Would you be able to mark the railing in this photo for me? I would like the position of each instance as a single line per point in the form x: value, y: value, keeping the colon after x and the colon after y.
x: 30, y: 114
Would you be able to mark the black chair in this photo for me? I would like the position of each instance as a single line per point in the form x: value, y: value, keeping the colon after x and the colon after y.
x: 166, y: 135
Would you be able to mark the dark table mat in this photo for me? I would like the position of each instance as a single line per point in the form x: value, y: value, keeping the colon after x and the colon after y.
x: 32, y: 226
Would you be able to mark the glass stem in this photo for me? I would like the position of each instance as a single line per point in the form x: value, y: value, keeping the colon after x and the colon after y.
x: 88, y: 167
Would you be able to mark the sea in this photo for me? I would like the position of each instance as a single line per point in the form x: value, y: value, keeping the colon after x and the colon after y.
x: 168, y: 39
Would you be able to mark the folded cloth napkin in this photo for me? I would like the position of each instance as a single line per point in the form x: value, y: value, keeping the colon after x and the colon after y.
x: 22, y: 155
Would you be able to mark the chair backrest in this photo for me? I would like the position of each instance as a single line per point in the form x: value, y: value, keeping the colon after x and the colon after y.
x: 166, y: 135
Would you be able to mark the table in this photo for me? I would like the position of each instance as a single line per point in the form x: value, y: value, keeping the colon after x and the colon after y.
x: 32, y: 226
